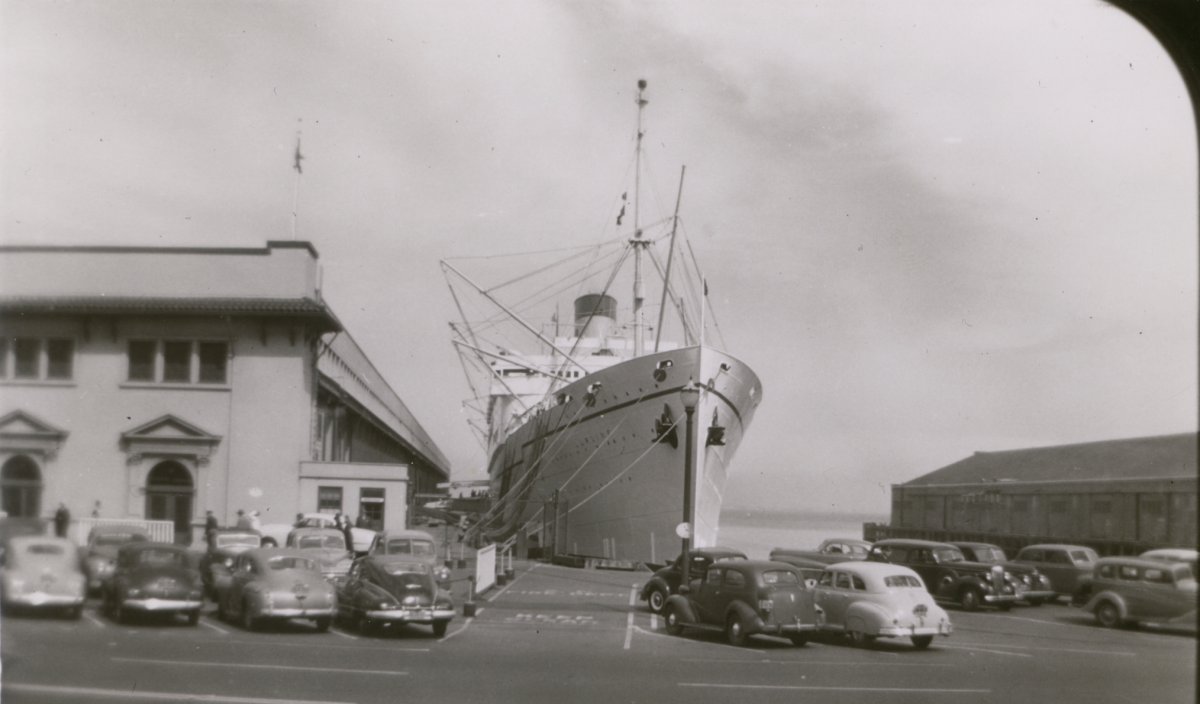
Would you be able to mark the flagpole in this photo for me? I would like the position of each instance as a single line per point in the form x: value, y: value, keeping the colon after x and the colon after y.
x: 296, y: 192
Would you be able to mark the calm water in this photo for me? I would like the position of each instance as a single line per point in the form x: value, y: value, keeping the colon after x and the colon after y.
x: 757, y: 532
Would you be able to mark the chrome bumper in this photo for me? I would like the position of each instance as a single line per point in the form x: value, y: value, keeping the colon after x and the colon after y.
x: 411, y: 615
x: 299, y: 612
x: 40, y: 598
x: 162, y: 604
x: 941, y: 629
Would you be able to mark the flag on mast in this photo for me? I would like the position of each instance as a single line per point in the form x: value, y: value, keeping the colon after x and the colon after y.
x: 299, y: 156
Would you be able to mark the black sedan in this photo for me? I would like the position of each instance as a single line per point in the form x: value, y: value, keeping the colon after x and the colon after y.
x: 154, y: 578
x: 665, y: 581
x: 394, y: 590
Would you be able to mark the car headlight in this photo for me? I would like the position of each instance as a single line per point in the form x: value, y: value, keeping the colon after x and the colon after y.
x: 385, y: 605
x: 442, y: 574
x: 412, y: 600
x: 228, y: 562
x: 133, y: 592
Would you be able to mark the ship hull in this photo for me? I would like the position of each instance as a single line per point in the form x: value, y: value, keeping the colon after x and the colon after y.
x: 599, y: 469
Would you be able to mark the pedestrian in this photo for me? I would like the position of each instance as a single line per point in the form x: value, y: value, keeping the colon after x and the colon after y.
x: 361, y: 521
x: 96, y: 509
x: 210, y: 529
x: 243, y: 521
x: 299, y: 520
x: 255, y: 521
x: 349, y: 534
x: 62, y: 520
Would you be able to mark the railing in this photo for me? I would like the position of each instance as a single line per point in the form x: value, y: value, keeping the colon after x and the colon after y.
x: 159, y: 531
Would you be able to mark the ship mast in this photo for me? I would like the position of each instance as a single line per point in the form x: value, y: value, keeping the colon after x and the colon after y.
x: 639, y: 344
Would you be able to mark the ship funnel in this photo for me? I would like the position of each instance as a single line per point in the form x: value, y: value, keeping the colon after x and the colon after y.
x: 595, y: 315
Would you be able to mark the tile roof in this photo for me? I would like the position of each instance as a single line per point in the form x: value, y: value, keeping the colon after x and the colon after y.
x: 1134, y: 458
x: 112, y: 305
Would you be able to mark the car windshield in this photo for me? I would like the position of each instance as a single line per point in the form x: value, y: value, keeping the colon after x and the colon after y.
x: 40, y: 549
x: 780, y: 577
x: 408, y: 546
x: 321, y: 541
x: 248, y: 540
x: 292, y: 562
x: 902, y: 581
x: 1085, y: 555
x: 943, y: 555
x: 119, y: 538
x: 162, y: 558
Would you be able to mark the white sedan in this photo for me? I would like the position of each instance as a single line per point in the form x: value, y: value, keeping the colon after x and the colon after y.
x: 869, y: 600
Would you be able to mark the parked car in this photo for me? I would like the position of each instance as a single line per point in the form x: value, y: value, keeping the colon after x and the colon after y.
x: 1185, y: 555
x: 217, y: 561
x: 42, y: 573
x: 830, y: 551
x: 947, y: 573
x: 102, y: 545
x: 665, y: 580
x: 154, y: 578
x: 810, y: 570
x: 1033, y: 587
x: 325, y: 545
x: 276, y: 534
x: 277, y: 584
x: 394, y: 590
x: 1067, y: 566
x: 869, y: 600
x: 743, y: 598
x: 1132, y: 590
x: 414, y: 544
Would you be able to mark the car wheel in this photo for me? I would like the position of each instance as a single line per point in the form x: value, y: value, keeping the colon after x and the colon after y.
x: 799, y: 639
x: 1108, y: 615
x: 1005, y: 606
x: 221, y: 614
x: 323, y: 623
x: 671, y: 617
x: 248, y: 621
x: 1036, y: 602
x: 439, y: 628
x: 859, y: 638
x: 921, y: 642
x: 120, y: 614
x: 735, y: 632
x: 970, y: 599
x: 657, y: 600
x: 193, y: 617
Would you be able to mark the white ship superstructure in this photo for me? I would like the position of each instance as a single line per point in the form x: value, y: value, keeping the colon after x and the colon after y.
x: 586, y: 431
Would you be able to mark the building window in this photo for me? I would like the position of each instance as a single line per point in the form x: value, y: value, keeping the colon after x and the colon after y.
x: 37, y: 358
x: 178, y: 361
x: 26, y: 351
x: 329, y: 499
x: 60, y: 356
x: 213, y: 356
x: 370, y: 508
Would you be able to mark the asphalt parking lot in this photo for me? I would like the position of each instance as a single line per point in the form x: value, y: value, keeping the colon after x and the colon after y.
x: 563, y: 634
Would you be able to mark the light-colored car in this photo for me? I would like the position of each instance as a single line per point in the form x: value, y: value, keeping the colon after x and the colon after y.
x: 1068, y: 567
x: 327, y: 546
x: 1185, y: 555
x: 280, y: 584
x: 414, y: 544
x: 394, y: 590
x: 41, y: 572
x: 1131, y: 590
x: 275, y: 534
x: 869, y: 600
x: 154, y: 578
x: 102, y: 545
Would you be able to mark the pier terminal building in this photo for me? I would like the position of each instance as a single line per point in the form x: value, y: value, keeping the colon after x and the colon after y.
x: 157, y: 383
x: 1118, y: 496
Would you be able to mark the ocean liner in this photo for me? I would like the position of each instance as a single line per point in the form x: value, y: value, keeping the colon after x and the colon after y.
x: 584, y: 422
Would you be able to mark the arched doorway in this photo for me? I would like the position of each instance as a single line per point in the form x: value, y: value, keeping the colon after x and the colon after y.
x: 21, y: 487
x: 169, y: 492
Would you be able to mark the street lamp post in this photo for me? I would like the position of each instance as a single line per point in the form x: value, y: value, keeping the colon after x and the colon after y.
x: 690, y: 396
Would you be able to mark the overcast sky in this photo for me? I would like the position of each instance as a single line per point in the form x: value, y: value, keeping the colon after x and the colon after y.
x: 931, y: 227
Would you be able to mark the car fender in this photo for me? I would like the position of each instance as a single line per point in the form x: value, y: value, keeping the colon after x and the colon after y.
x: 869, y: 615
x: 649, y: 586
x: 748, y: 616
x: 1108, y: 595
x: 682, y: 607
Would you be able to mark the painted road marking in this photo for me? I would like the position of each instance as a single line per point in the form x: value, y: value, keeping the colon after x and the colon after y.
x: 127, y: 695
x: 338, y: 632
x: 555, y: 620
x: 1119, y: 653
x: 508, y: 586
x: 988, y: 650
x: 215, y: 627
x: 451, y: 634
x: 94, y: 619
x: 248, y: 666
x: 629, y: 622
x: 904, y: 690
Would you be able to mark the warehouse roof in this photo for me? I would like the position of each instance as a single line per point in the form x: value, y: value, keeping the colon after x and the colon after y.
x: 1134, y: 458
